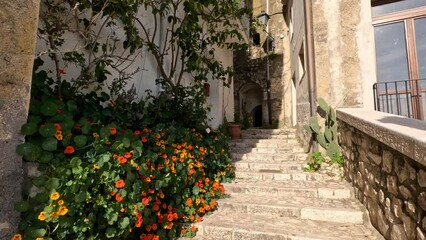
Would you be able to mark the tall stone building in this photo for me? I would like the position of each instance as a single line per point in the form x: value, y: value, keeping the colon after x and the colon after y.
x: 353, y: 53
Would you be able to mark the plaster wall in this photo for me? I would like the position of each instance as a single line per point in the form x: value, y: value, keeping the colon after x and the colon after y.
x: 18, y: 21
x: 145, y: 69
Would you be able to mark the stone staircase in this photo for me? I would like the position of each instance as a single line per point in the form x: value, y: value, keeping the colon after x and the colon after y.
x: 272, y: 197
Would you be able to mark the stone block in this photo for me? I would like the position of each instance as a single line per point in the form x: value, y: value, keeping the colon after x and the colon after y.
x: 410, y: 227
x: 421, y: 200
x: 374, y: 158
x: 420, y: 234
x: 392, y: 185
x: 398, y: 232
x: 19, y: 21
x: 217, y: 232
x: 397, y: 207
x: 405, y: 192
x: 387, y: 161
x: 401, y: 169
x: 421, y: 178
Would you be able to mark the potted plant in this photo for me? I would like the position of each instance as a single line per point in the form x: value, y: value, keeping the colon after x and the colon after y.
x: 234, y: 128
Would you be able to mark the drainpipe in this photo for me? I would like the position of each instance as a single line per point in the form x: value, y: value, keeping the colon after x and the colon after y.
x: 268, y: 77
x: 311, y: 61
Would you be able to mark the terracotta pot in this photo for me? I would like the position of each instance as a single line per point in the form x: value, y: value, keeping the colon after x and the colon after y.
x: 234, y: 130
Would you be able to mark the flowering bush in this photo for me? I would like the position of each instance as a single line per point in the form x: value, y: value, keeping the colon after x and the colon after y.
x: 101, y: 181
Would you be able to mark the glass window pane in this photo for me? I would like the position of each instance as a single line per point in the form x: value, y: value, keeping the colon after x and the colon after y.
x: 420, y: 28
x: 397, y: 6
x: 391, y: 52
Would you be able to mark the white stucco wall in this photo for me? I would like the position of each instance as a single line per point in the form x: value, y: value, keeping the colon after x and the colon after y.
x: 221, y: 99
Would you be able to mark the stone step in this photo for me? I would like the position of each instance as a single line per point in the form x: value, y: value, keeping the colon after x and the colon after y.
x: 278, y: 175
x: 281, y: 131
x: 329, y: 210
x: 269, y: 143
x: 270, y: 157
x: 246, y: 165
x: 305, y: 189
x: 255, y: 135
x: 257, y: 227
x: 266, y: 150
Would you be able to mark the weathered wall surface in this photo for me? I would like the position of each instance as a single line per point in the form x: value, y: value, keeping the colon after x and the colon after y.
x: 385, y: 162
x: 18, y: 21
x: 344, y: 52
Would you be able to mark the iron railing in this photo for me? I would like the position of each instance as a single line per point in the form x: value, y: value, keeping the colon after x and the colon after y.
x: 405, y: 98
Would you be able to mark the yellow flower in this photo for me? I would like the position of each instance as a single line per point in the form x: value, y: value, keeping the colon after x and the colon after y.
x: 62, y: 211
x: 55, y: 196
x: 42, y: 216
x: 96, y: 167
x: 17, y: 237
x: 60, y: 202
x: 39, y: 238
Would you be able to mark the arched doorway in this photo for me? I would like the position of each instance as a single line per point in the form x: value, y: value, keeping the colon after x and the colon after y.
x: 248, y: 103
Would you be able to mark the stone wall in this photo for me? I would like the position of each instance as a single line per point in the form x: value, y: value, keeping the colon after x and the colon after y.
x: 385, y: 162
x: 18, y: 21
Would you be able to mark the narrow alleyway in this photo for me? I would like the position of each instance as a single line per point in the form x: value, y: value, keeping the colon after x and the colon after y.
x: 273, y: 198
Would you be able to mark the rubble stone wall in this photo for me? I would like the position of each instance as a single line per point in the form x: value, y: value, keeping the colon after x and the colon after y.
x: 385, y: 163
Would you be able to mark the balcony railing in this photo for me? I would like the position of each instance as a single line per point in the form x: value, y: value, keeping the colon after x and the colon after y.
x: 405, y: 98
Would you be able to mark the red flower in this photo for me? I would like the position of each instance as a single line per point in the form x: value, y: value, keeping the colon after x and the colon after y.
x: 61, y: 72
x: 113, y: 131
x: 58, y: 111
x: 58, y: 127
x: 145, y: 201
x: 119, y: 198
x: 120, y: 183
x: 127, y: 155
x: 144, y: 140
x: 122, y: 159
x: 137, y: 132
x: 154, y: 227
x: 69, y: 150
x: 170, y: 217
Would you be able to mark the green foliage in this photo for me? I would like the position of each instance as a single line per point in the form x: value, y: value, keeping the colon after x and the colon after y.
x: 127, y: 171
x: 314, y: 162
x: 326, y: 135
x: 247, y: 121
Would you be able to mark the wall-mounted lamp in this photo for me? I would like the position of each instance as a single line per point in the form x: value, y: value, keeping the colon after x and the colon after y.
x: 263, y: 18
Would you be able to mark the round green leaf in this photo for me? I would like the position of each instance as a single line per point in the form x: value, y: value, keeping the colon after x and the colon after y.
x: 124, y: 223
x: 80, y: 140
x: 29, y: 151
x: 50, y: 144
x: 35, y: 233
x: 29, y: 128
x: 22, y: 206
x: 72, y: 106
x: 47, y: 130
x: 48, y: 108
x: 110, y: 232
x: 52, y: 183
x: 46, y: 157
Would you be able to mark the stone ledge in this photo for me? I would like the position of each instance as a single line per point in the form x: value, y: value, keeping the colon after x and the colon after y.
x: 407, y: 136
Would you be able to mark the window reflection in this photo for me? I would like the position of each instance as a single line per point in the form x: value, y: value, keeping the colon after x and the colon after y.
x: 397, y: 6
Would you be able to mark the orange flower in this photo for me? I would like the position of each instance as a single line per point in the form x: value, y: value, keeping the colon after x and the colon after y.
x: 168, y: 225
x: 113, y: 131
x: 42, y: 216
x: 55, y: 196
x: 154, y: 227
x: 69, y: 150
x: 122, y: 159
x: 193, y: 228
x: 144, y: 140
x: 118, y: 197
x: 155, y: 237
x: 127, y: 155
x: 183, y: 230
x: 17, y: 237
x: 189, y: 202
x: 201, y: 210
x: 192, y: 218
x: 62, y: 211
x: 174, y: 158
x: 169, y: 217
x: 145, y: 201
x: 120, y: 183
x: 60, y: 202
x: 164, y: 156
x: 148, y: 228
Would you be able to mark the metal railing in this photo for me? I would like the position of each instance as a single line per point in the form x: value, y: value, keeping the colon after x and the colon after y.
x: 405, y: 98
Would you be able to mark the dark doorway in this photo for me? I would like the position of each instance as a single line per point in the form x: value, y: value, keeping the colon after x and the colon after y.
x: 256, y: 113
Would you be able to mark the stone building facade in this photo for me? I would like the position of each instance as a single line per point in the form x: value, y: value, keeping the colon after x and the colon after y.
x: 18, y: 20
